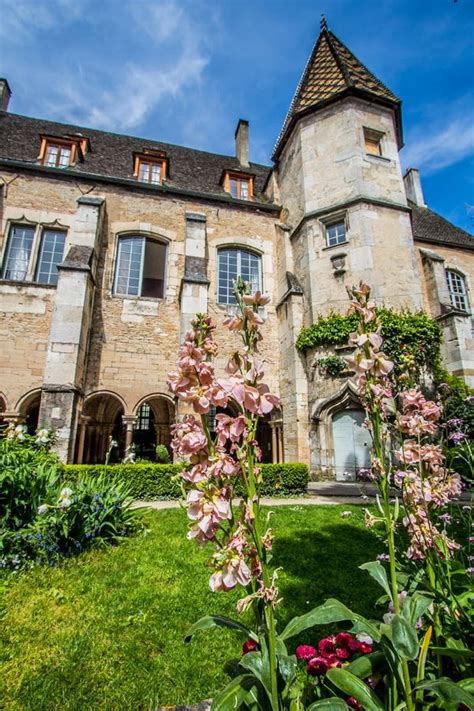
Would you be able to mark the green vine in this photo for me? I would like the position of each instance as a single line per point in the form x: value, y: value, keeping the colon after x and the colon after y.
x: 411, y: 340
x: 332, y: 365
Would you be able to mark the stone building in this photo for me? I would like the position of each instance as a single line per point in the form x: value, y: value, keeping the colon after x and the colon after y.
x: 109, y: 244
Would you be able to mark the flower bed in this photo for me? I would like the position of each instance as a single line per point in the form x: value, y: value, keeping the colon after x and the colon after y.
x: 159, y: 481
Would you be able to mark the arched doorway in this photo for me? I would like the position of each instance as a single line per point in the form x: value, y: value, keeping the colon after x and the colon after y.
x: 352, y: 443
x: 154, y: 417
x: 102, y: 421
x: 3, y: 422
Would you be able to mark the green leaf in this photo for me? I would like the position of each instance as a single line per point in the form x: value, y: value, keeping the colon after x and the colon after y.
x: 366, y: 665
x: 332, y: 704
x: 353, y: 686
x: 417, y: 606
x: 467, y: 684
x: 209, y: 621
x: 287, y: 666
x: 448, y: 691
x: 378, y: 573
x: 234, y: 694
x: 453, y: 653
x: 253, y: 662
x: 404, y: 638
x: 330, y: 611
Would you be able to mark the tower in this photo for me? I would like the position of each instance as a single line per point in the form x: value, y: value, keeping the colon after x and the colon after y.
x: 338, y: 176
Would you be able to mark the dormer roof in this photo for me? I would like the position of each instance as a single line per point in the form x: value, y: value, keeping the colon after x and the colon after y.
x: 331, y: 73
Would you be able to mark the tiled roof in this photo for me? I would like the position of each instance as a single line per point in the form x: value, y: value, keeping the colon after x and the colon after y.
x: 111, y: 155
x: 428, y: 226
x: 332, y: 70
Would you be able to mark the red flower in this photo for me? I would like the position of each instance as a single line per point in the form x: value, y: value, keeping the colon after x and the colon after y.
x: 354, y: 645
x: 354, y: 704
x: 333, y: 661
x: 326, y: 645
x: 343, y: 653
x: 250, y: 645
x: 343, y: 639
x: 305, y: 652
x: 365, y: 648
x: 317, y: 666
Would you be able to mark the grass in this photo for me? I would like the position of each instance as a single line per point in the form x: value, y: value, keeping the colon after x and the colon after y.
x: 105, y: 630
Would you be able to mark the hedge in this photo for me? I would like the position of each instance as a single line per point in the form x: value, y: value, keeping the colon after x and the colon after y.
x: 159, y: 481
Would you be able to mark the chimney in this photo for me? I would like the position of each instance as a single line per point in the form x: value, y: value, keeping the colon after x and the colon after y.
x: 5, y: 94
x: 413, y: 187
x: 242, y: 142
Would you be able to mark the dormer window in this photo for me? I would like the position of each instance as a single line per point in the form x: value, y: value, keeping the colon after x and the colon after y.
x: 238, y: 185
x: 150, y: 167
x: 57, y: 156
x: 64, y: 151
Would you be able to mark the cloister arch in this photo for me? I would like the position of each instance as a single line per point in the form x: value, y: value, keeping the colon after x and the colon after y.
x: 3, y: 408
x: 101, y: 421
x: 28, y: 407
x: 153, y: 417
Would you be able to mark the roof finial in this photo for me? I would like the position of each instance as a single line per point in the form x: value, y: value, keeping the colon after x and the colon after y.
x: 323, y: 24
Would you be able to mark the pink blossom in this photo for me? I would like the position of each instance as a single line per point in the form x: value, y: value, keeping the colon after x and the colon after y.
x: 317, y: 666
x: 234, y: 571
x: 208, y: 509
x: 258, y: 299
x: 305, y: 652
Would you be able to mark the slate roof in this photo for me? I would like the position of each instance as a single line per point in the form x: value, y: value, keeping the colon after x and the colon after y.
x: 111, y: 155
x: 428, y: 226
x: 331, y: 72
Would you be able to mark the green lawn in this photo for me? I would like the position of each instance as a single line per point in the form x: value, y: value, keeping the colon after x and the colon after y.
x: 104, y: 631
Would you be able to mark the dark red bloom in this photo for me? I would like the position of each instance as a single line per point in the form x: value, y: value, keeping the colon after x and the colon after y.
x: 305, y: 652
x: 353, y: 645
x: 250, y: 645
x: 333, y: 661
x: 326, y: 645
x: 317, y: 666
x: 343, y: 653
x: 354, y: 704
x: 365, y: 648
x: 343, y: 639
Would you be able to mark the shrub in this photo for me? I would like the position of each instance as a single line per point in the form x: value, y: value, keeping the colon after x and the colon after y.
x: 162, y: 454
x: 159, y: 481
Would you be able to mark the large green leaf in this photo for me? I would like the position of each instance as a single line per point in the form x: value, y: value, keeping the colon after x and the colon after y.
x: 234, y: 694
x: 378, y: 573
x: 452, y: 652
x: 366, y: 665
x: 332, y: 704
x: 415, y: 607
x: 404, y: 638
x: 287, y: 666
x: 353, y: 686
x: 253, y: 662
x: 448, y: 691
x: 330, y: 611
x: 209, y: 621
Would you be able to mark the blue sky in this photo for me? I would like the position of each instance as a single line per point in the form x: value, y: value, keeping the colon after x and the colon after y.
x: 184, y: 71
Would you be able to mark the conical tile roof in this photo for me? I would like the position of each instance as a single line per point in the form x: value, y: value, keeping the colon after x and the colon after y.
x: 332, y: 71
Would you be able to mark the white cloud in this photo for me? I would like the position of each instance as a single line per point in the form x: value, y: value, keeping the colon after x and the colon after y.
x: 434, y: 145
x: 24, y: 18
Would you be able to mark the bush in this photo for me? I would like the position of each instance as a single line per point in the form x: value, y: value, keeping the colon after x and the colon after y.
x: 162, y: 454
x: 159, y: 481
x: 42, y: 519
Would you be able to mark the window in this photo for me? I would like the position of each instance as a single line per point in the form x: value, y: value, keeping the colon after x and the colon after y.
x: 457, y: 290
x: 150, y: 172
x: 144, y: 416
x: 239, y: 186
x: 51, y: 254
x: 234, y: 263
x: 140, y: 267
x: 335, y: 234
x: 57, y: 155
x: 373, y: 142
x: 19, y: 256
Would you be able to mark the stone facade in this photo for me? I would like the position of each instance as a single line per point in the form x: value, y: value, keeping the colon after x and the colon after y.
x: 92, y: 363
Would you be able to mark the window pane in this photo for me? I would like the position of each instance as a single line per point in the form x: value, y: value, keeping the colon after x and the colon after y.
x: 51, y: 254
x: 156, y: 173
x: 244, y: 189
x: 51, y: 155
x: 18, y: 252
x: 234, y: 263
x: 336, y: 234
x: 64, y: 157
x: 457, y: 290
x: 233, y: 187
x: 154, y: 269
x: 128, y: 267
x: 144, y: 170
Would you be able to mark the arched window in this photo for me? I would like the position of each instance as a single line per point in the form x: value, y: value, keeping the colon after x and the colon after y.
x: 234, y: 263
x: 140, y: 267
x: 457, y: 290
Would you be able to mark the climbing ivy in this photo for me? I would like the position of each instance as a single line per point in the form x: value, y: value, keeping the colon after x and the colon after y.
x: 411, y: 340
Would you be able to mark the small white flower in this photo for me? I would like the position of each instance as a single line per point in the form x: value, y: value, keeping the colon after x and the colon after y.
x: 346, y: 514
x: 42, y: 436
x: 113, y: 443
x: 42, y: 509
x: 363, y: 637
x: 64, y: 503
x: 66, y: 492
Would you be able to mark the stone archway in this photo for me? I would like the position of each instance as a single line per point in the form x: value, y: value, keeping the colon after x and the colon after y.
x: 101, y: 421
x: 28, y: 409
x: 154, y: 416
x: 3, y: 408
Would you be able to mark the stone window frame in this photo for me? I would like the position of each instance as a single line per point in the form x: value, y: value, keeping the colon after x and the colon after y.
x: 373, y: 135
x: 242, y: 248
x: 335, y: 218
x: 448, y: 269
x: 33, y: 262
x: 139, y: 233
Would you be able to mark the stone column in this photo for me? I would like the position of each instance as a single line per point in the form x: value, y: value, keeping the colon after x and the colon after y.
x: 274, y: 442
x: 195, y: 283
x: 129, y: 421
x: 83, y: 423
x: 70, y: 327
